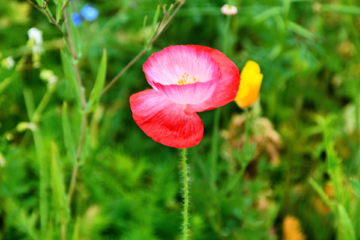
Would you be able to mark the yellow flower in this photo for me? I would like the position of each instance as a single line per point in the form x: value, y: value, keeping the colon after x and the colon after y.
x: 250, y: 83
x: 292, y: 229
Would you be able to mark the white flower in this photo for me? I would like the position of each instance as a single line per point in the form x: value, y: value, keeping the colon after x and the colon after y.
x: 229, y: 10
x: 8, y: 63
x: 35, y: 34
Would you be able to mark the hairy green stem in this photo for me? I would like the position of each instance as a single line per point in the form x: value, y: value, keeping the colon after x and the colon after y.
x: 186, y: 195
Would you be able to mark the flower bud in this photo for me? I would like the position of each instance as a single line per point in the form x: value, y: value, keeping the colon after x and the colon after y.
x: 229, y: 10
x: 250, y: 84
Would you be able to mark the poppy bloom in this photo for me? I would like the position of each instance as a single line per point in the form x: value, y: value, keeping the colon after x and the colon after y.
x: 185, y: 80
x: 249, y: 88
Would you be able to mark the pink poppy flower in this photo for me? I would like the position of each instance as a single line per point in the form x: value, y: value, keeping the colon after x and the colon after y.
x: 185, y: 80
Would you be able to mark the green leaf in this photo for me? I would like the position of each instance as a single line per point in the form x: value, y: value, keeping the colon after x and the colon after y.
x: 40, y: 3
x: 300, y: 30
x: 356, y: 187
x: 268, y: 13
x: 73, y: 32
x: 341, y: 9
x: 29, y: 102
x: 275, y: 52
x: 50, y: 230
x: 57, y: 186
x: 59, y: 10
x: 144, y: 30
x: 68, y: 139
x: 321, y: 193
x: 99, y: 84
x: 344, y: 225
x: 154, y: 23
x: 76, y: 229
x: 71, y: 76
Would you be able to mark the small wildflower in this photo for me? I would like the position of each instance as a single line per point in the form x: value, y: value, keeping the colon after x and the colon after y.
x: 229, y: 10
x: 76, y: 17
x: 292, y: 229
x: 49, y: 77
x: 249, y: 88
x: 8, y: 63
x: 89, y: 13
x: 36, y: 35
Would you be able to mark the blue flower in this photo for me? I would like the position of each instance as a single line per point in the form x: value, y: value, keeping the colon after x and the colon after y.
x: 76, y: 17
x: 89, y: 13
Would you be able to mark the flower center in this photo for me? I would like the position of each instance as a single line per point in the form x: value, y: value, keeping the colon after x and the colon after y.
x: 187, y: 79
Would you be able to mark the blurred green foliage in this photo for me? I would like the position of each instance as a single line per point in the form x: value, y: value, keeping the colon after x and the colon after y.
x: 128, y: 185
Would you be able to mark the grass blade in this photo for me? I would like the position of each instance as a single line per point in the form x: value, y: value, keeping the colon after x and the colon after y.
x: 71, y: 76
x: 99, y: 85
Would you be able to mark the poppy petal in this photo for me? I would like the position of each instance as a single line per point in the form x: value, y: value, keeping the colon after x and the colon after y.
x: 180, y: 65
x: 164, y: 121
x: 228, y: 83
x: 194, y: 93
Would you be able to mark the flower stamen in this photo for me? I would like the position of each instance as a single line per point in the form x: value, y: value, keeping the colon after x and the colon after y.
x: 185, y: 79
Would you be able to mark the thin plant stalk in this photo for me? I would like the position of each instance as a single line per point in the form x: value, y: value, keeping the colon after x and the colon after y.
x: 52, y: 20
x: 43, y: 171
x: 76, y: 168
x: 214, y: 143
x: 186, y: 195
x: 155, y: 36
x: 83, y: 121
x: 246, y: 159
x: 214, y: 148
x: 357, y: 127
x: 226, y: 35
x: 246, y: 145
